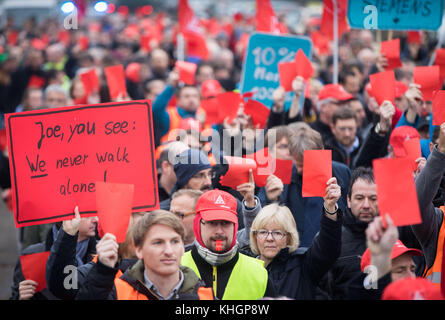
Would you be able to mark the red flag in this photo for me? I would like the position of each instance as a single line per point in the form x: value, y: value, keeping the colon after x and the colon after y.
x: 189, y: 26
x: 327, y: 19
x: 81, y: 6
x: 266, y: 19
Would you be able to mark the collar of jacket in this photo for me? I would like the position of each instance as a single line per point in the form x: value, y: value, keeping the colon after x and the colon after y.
x: 135, y: 277
x: 352, y: 223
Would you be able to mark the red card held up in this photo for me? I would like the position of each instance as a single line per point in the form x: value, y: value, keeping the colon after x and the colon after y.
x: 440, y: 61
x: 210, y: 107
x: 90, y: 81
x: 317, y: 170
x: 303, y: 65
x: 413, y: 152
x: 429, y: 80
x: 399, y: 200
x: 391, y: 50
x: 238, y: 172
x: 116, y: 81
x: 258, y: 111
x: 287, y: 72
x: 187, y: 71
x: 383, y: 86
x: 268, y: 165
x: 114, y: 203
x: 439, y: 108
x: 34, y: 268
x: 229, y: 104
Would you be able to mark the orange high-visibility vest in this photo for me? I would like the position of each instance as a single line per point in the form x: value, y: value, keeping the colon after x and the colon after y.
x: 126, y: 292
x: 434, y: 273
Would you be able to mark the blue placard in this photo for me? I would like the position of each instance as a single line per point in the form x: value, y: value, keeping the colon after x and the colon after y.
x: 260, y: 68
x: 395, y: 14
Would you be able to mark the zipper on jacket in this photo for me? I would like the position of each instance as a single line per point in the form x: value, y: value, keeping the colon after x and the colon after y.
x: 215, y: 272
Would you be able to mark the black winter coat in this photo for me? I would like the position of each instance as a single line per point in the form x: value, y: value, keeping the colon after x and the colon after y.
x: 296, y: 275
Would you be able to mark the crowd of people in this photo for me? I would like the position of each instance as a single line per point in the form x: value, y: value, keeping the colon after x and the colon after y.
x: 210, y: 241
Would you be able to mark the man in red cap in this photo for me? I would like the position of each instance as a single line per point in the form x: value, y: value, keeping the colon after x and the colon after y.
x: 215, y: 257
x: 330, y: 98
x: 398, y: 136
x: 386, y: 260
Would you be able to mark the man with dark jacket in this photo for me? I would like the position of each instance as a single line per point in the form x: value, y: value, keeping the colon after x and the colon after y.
x: 349, y: 148
x: 74, y: 246
x: 362, y: 209
x: 307, y: 211
x: 25, y: 289
x: 215, y: 257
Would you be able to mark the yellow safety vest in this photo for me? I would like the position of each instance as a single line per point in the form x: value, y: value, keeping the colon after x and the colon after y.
x: 248, y: 280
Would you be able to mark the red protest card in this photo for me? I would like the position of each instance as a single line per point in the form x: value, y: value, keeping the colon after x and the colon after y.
x: 36, y: 81
x: 3, y: 141
x: 288, y: 72
x: 116, y: 81
x: 90, y: 81
x: 303, y: 65
x: 440, y: 61
x: 258, y: 111
x: 211, y: 108
x: 414, y: 37
x: 13, y: 36
x: 391, y: 50
x: 317, y: 170
x: 83, y: 42
x: 114, y: 202
x: 34, y: 268
x: 238, y: 172
x: 229, y: 104
x: 383, y: 86
x: 267, y: 164
x: 429, y: 80
x: 57, y: 155
x: 64, y: 37
x: 38, y: 44
x: 187, y: 71
x: 413, y: 151
x: 439, y: 108
x: 399, y: 200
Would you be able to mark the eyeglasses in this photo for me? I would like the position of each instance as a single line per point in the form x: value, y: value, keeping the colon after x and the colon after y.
x: 182, y: 215
x: 214, y: 223
x: 276, y: 234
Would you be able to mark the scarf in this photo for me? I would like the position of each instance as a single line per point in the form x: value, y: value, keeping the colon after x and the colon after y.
x: 216, y: 259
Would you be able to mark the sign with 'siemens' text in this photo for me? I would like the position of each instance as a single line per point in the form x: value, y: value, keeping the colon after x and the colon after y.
x: 56, y: 156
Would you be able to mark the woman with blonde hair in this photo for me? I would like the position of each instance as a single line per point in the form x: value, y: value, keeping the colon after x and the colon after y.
x: 274, y: 239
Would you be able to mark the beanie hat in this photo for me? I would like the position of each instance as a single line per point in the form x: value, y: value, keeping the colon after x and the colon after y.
x: 187, y: 164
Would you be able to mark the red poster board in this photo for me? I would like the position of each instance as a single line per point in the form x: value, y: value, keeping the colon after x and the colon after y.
x: 57, y: 156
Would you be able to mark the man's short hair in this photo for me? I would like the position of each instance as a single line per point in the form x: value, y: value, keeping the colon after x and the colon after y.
x: 304, y: 139
x: 343, y: 113
x: 364, y: 173
x: 194, y: 194
x: 185, y: 87
x: 153, y: 218
x: 56, y: 88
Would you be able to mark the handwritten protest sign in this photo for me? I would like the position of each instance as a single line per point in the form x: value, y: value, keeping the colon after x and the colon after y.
x: 260, y: 69
x: 396, y: 15
x: 58, y: 155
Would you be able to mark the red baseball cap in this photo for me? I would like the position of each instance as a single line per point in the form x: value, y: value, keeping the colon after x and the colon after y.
x: 398, y: 136
x: 210, y: 88
x: 412, y: 289
x: 398, y: 249
x: 217, y: 205
x: 334, y: 91
x: 132, y: 71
